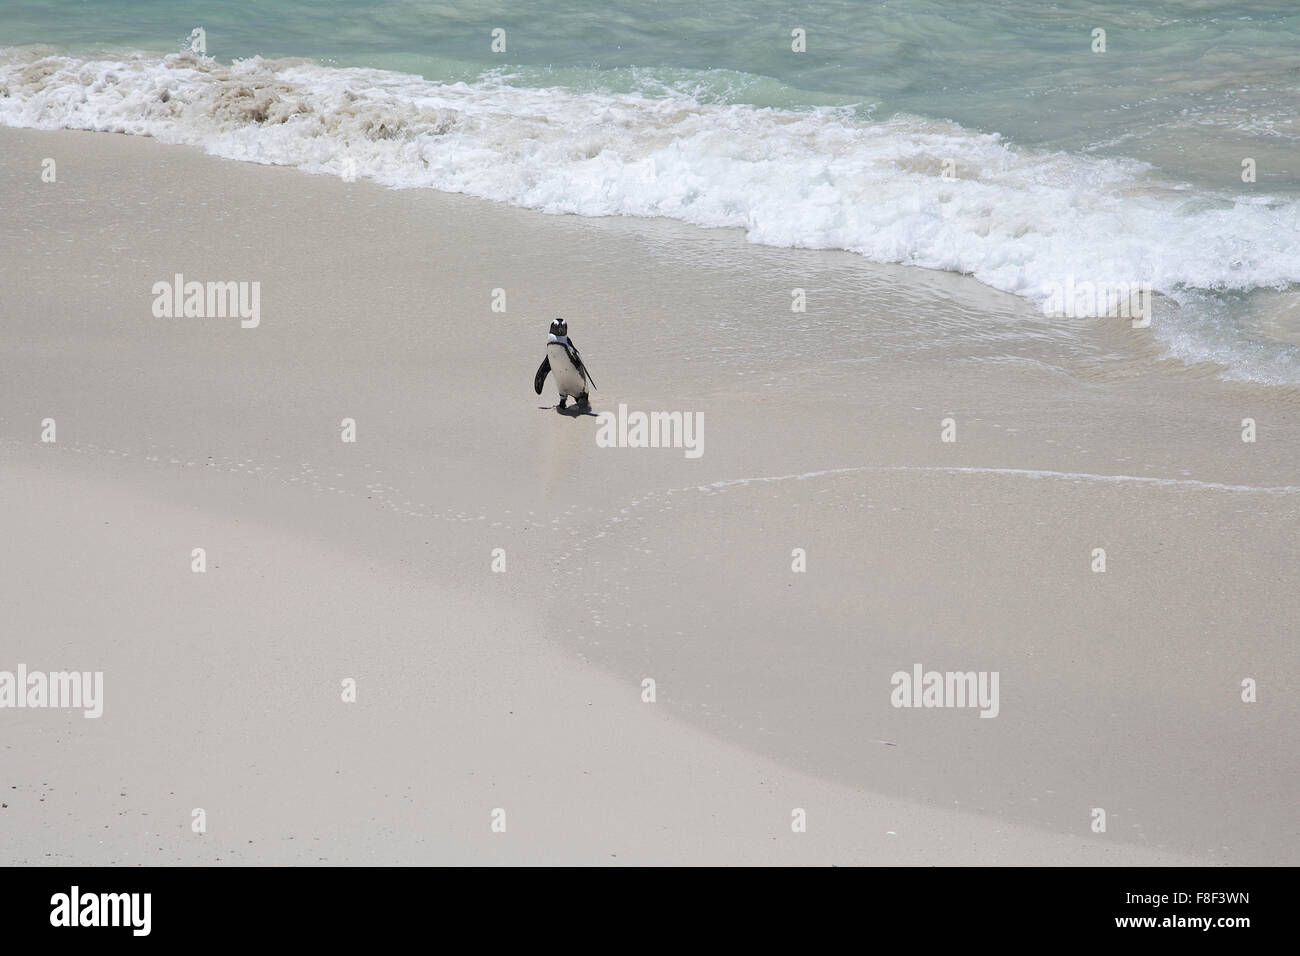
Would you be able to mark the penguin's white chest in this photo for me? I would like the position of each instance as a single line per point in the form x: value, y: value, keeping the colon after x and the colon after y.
x: 568, y: 380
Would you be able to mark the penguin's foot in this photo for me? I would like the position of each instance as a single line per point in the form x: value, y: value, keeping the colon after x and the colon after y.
x: 564, y: 399
x: 584, y: 402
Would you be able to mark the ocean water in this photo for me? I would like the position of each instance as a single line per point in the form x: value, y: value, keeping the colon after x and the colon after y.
x: 985, y: 138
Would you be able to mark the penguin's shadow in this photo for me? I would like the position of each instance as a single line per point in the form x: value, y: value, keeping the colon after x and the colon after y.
x: 572, y: 411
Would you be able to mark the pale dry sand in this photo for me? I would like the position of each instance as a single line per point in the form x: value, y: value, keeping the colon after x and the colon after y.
x: 222, y: 693
x: 522, y: 690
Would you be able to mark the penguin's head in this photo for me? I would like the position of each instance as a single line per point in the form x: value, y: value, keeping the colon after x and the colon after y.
x: 560, y: 327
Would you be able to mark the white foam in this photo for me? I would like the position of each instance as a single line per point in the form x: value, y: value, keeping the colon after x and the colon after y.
x: 825, y: 178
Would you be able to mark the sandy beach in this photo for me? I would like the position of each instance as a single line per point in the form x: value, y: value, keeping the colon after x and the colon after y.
x: 521, y: 689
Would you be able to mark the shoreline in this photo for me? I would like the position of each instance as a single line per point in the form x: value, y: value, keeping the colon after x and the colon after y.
x: 1024, y: 219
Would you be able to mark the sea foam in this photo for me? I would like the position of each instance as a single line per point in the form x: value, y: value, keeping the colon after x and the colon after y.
x: 823, y: 178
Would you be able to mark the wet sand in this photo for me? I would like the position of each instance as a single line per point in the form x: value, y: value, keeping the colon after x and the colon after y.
x: 522, y: 689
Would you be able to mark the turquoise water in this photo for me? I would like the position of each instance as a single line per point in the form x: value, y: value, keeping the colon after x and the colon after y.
x: 1123, y: 166
x: 1192, y: 87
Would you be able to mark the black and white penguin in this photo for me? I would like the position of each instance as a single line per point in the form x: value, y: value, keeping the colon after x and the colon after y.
x: 563, y: 361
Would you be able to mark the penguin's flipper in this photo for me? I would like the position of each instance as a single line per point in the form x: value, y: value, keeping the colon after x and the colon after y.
x: 578, y: 363
x: 543, y: 370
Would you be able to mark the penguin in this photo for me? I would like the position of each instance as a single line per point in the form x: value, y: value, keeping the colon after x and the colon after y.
x: 563, y: 361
